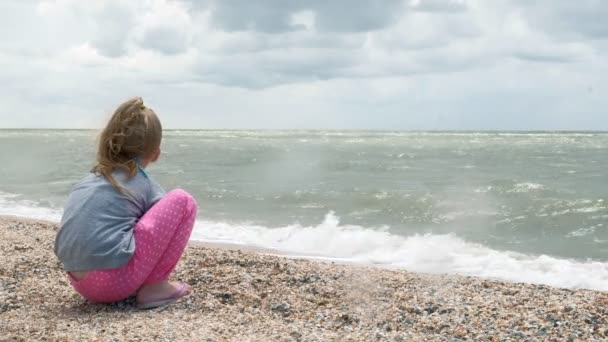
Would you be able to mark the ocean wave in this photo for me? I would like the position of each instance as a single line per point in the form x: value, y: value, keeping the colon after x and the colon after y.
x: 526, y: 187
x: 429, y: 253
x: 584, y: 231
x: 10, y: 204
x: 578, y: 206
x: 70, y: 133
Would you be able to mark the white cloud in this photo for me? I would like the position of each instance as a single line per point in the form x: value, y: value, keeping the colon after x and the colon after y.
x: 166, y: 28
x: 409, y: 64
x: 305, y: 20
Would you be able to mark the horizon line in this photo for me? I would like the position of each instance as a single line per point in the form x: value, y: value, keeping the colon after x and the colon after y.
x: 339, y: 130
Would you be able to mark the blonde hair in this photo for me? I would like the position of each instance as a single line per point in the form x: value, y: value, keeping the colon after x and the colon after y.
x: 134, y: 131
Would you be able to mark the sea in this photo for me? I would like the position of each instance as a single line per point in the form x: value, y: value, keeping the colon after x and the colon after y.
x: 518, y: 206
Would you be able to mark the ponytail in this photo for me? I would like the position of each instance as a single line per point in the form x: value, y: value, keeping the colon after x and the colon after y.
x: 133, y: 131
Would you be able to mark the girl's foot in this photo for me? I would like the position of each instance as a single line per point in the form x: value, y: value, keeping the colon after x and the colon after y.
x: 162, y: 293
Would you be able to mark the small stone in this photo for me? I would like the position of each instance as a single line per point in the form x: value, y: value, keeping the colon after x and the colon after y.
x: 334, y: 302
x: 282, y: 308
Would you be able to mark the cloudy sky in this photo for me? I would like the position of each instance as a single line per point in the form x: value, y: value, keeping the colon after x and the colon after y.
x: 353, y: 64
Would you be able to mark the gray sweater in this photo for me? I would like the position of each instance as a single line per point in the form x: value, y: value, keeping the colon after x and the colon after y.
x: 96, y: 230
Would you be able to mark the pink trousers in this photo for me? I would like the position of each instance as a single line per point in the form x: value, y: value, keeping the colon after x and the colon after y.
x: 161, y: 236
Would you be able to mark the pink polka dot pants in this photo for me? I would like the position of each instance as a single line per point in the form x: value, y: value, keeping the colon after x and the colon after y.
x: 161, y: 236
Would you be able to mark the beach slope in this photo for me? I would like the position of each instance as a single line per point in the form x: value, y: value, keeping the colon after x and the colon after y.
x: 246, y: 296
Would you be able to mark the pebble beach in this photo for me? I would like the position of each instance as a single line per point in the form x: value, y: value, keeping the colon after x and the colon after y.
x: 243, y: 295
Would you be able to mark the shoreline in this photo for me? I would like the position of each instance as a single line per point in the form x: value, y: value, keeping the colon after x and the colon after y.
x: 232, y: 246
x: 246, y: 294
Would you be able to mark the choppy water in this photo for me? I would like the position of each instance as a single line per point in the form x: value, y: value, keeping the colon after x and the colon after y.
x: 524, y: 207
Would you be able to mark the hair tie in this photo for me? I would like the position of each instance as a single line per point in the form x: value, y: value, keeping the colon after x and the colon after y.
x: 141, y: 169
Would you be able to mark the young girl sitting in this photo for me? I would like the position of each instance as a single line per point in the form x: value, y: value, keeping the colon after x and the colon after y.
x: 120, y: 234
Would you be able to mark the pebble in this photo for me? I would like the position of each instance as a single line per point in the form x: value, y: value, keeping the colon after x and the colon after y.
x: 241, y: 295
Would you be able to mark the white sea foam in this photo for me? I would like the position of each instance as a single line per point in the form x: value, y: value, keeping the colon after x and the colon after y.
x: 10, y: 204
x: 583, y: 231
x: 420, y: 253
x: 527, y: 187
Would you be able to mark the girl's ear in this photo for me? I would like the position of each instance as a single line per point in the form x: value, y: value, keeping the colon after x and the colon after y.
x: 156, y: 155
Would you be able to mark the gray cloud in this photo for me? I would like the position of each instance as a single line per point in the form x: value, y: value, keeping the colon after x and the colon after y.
x: 348, y: 39
x: 275, y: 16
x: 355, y: 15
x: 412, y: 64
x: 270, y: 17
x: 438, y: 5
x: 540, y: 58
x: 166, y: 40
x: 111, y: 24
x: 568, y: 19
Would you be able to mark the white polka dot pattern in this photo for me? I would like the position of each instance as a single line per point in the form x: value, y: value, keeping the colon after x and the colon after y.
x: 161, y: 236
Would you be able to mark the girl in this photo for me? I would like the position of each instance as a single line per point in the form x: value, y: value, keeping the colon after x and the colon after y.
x: 120, y: 234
